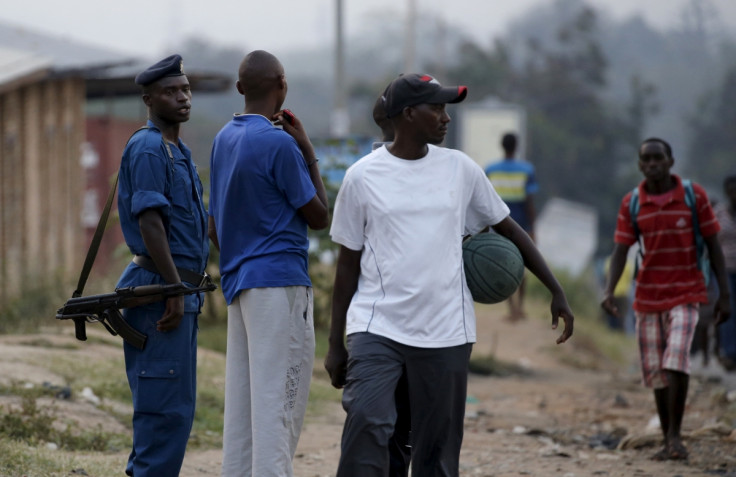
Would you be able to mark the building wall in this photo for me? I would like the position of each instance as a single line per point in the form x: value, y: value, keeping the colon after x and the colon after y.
x: 106, y: 139
x: 41, y: 132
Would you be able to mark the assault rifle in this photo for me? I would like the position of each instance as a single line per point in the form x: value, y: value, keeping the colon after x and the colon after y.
x: 105, y: 308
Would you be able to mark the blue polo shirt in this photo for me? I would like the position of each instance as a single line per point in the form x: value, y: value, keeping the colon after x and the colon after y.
x: 154, y: 176
x: 514, y: 180
x: 258, y: 181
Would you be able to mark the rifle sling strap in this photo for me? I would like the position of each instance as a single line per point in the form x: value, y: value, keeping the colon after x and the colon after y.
x: 96, y: 239
x: 189, y: 276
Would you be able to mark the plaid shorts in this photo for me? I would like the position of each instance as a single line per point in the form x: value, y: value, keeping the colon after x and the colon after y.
x: 664, y: 342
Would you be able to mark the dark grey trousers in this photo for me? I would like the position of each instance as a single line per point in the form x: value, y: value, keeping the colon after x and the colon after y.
x: 437, y: 385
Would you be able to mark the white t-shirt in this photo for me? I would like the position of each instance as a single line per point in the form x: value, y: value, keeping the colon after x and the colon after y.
x: 409, y: 217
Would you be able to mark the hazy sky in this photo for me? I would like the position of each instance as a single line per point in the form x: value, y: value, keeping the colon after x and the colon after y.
x: 148, y: 28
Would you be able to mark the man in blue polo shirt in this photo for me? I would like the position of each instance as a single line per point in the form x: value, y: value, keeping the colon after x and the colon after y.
x: 266, y: 190
x: 514, y: 180
x: 163, y: 220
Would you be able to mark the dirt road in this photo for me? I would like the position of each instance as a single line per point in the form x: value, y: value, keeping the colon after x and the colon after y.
x: 565, y: 414
x: 554, y: 421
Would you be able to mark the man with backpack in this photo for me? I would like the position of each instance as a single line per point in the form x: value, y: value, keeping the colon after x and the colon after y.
x: 669, y: 217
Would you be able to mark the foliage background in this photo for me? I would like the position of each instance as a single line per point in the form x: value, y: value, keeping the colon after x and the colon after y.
x: 594, y: 87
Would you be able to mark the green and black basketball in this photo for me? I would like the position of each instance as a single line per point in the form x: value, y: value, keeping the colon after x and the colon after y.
x: 493, y: 267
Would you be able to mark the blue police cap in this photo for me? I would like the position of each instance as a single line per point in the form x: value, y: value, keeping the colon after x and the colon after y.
x: 169, y: 66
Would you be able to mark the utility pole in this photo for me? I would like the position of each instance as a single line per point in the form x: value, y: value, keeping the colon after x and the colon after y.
x: 440, y: 60
x: 410, y: 38
x: 340, y: 120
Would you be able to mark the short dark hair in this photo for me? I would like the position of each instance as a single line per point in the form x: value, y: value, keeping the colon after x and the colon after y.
x: 667, y: 147
x: 382, y: 121
x: 258, y: 74
x: 508, y: 142
x: 729, y: 180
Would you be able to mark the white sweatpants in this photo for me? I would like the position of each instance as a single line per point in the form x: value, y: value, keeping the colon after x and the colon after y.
x: 270, y: 354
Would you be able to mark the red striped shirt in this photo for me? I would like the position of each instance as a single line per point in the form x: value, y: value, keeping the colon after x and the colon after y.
x: 668, y: 275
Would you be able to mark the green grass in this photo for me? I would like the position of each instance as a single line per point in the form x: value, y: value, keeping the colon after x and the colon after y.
x: 33, y: 308
x: 35, y: 425
x: 208, y: 417
x: 19, y: 458
x: 321, y: 345
x: 593, y: 345
x: 106, y: 377
x: 213, y: 335
x: 490, y: 365
x: 48, y: 344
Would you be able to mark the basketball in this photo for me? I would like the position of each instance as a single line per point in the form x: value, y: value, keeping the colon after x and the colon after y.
x: 493, y: 267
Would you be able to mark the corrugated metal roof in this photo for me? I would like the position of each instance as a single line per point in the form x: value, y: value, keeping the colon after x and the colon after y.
x: 108, y: 73
x: 65, y: 55
x: 16, y: 65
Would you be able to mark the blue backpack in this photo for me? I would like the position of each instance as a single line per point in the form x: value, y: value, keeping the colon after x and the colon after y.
x: 700, y: 248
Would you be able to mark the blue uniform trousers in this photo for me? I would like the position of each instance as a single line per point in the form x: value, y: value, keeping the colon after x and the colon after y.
x: 162, y: 379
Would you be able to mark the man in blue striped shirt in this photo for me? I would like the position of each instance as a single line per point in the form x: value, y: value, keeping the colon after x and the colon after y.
x: 515, y: 182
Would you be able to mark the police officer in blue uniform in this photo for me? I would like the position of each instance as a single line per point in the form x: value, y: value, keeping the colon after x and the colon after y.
x: 164, y: 223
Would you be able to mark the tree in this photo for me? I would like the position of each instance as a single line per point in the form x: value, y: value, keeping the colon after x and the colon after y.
x: 575, y: 137
x: 484, y: 72
x: 714, y: 142
x: 579, y: 142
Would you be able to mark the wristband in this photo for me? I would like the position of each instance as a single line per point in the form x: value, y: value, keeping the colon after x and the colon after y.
x: 315, y: 161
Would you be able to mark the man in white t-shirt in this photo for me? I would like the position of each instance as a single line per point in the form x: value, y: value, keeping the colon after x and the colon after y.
x: 400, y: 292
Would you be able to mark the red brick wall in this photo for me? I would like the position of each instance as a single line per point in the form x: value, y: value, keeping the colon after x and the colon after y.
x: 107, y: 136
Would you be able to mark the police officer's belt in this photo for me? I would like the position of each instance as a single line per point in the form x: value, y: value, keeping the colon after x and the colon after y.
x: 189, y: 276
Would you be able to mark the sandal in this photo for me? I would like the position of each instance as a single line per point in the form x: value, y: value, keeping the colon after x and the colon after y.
x: 661, y: 455
x: 677, y: 451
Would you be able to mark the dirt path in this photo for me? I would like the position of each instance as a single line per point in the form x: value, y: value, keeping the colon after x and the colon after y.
x: 562, y: 416
x: 555, y: 421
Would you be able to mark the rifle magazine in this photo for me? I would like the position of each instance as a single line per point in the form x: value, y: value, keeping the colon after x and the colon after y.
x: 114, y: 321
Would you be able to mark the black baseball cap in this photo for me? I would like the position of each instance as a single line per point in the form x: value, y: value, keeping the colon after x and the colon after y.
x: 169, y: 66
x: 413, y: 89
